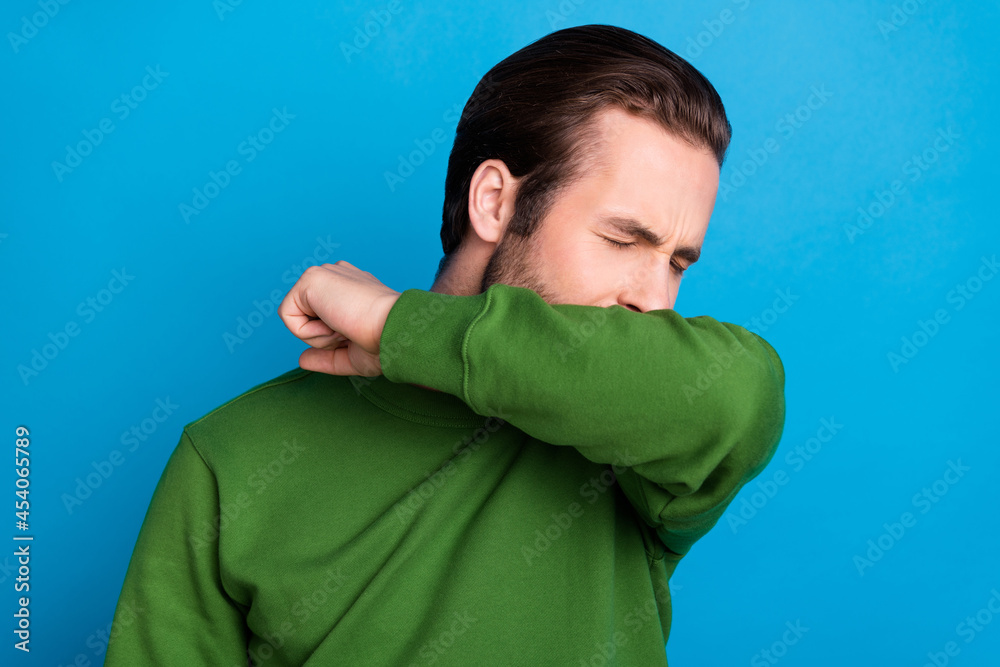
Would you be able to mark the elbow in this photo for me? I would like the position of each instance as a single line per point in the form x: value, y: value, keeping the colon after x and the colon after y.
x: 764, y: 421
x: 749, y: 409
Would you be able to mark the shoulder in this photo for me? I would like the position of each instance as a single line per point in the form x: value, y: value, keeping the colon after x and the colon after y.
x: 259, y: 396
x: 252, y: 422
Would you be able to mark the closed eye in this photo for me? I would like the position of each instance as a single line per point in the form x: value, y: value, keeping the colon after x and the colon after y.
x: 618, y: 244
x: 679, y: 268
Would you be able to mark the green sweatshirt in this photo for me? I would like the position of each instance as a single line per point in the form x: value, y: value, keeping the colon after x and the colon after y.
x: 531, y: 512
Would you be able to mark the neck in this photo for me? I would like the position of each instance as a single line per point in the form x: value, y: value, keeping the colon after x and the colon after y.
x: 451, y: 284
x: 464, y: 274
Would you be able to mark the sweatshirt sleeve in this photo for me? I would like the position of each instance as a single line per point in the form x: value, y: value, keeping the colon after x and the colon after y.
x: 173, y: 609
x: 686, y: 410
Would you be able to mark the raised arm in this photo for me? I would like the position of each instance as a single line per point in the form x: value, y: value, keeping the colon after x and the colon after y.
x: 687, y: 410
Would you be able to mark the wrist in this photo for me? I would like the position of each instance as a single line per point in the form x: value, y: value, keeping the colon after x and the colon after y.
x: 383, y: 305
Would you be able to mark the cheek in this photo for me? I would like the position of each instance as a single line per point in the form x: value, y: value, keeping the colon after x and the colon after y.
x: 571, y: 267
x: 575, y: 268
x: 601, y: 271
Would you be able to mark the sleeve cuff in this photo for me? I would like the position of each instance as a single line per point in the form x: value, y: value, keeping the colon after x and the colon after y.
x: 423, y: 340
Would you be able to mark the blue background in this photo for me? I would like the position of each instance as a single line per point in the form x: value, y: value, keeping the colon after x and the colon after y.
x: 891, y: 76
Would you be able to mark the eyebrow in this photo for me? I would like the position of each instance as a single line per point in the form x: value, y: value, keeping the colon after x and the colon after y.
x: 632, y: 227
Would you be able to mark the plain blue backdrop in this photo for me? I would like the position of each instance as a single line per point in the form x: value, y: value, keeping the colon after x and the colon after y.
x: 854, y: 230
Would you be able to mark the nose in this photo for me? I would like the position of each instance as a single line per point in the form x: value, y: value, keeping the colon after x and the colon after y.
x: 651, y: 286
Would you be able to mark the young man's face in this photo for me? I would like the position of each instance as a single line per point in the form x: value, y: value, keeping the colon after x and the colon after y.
x: 661, y: 182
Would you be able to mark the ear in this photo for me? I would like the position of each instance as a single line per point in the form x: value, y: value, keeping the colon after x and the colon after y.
x: 491, y: 199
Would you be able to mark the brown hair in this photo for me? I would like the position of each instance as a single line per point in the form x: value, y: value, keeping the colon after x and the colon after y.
x: 534, y: 111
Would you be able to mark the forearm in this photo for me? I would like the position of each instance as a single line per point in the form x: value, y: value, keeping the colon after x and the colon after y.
x: 616, y: 384
x: 680, y: 405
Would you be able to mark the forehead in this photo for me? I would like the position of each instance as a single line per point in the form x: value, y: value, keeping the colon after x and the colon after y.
x: 641, y: 170
x: 635, y: 147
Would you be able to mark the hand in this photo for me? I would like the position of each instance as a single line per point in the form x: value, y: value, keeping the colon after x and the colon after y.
x: 340, y: 311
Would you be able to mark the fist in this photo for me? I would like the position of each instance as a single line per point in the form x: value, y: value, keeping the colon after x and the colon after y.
x: 340, y: 311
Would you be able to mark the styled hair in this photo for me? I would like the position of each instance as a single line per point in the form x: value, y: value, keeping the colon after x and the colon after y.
x: 535, y: 111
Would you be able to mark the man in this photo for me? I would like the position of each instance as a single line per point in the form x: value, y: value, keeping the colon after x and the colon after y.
x: 503, y: 470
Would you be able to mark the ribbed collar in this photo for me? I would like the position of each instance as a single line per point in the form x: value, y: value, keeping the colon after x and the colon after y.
x: 416, y: 404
